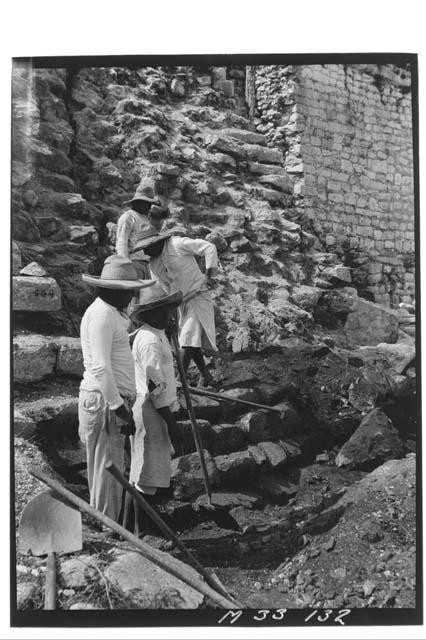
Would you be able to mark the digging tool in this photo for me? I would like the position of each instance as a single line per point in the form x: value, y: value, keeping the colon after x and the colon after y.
x: 217, y: 513
x: 156, y: 557
x: 221, y: 396
x: 210, y: 578
x: 47, y: 526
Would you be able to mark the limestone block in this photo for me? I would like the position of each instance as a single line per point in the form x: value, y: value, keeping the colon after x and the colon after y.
x: 227, y: 438
x: 32, y: 293
x: 187, y: 475
x: 235, y: 466
x: 69, y: 204
x: 368, y: 323
x: 226, y: 145
x: 223, y: 160
x: 145, y: 581
x: 33, y: 269
x: 48, y: 225
x: 218, y: 240
x: 266, y: 169
x: 243, y: 135
x: 226, y: 86
x: 275, y: 454
x: 279, y: 182
x: 337, y: 272
x: 84, y: 234
x: 375, y: 441
x: 34, y: 357
x: 261, y: 154
x: 271, y: 195
x: 218, y: 74
x: 206, y: 433
x: 260, y: 426
x: 398, y: 355
x: 70, y: 356
x: 306, y: 297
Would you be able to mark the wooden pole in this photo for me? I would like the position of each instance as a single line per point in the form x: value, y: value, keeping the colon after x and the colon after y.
x: 194, y: 425
x: 211, y: 579
x: 148, y: 552
x: 221, y: 396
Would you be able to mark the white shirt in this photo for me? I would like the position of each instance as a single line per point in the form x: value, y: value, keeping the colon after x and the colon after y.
x: 108, y: 362
x: 176, y: 268
x: 154, y: 361
x: 129, y: 227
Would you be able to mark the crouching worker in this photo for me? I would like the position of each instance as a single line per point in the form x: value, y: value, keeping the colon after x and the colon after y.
x: 156, y: 427
x: 108, y: 388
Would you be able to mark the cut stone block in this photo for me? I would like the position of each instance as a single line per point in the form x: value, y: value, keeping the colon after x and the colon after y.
x: 31, y: 293
x: 275, y: 455
x: 280, y: 182
x: 33, y: 269
x: 145, y: 581
x: 187, y: 475
x: 263, y: 154
x: 227, y: 438
x: 70, y: 356
x: 251, y: 137
x: 235, y: 466
x: 34, y: 357
x: 369, y: 324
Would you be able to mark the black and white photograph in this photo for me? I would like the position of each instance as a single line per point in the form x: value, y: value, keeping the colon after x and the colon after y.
x: 215, y: 364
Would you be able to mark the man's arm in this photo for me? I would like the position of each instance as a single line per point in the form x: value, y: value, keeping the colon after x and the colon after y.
x: 201, y: 248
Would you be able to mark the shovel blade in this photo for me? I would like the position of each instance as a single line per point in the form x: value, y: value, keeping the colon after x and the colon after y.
x: 48, y: 525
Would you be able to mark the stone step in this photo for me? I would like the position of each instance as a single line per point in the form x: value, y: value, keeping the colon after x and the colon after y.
x: 52, y: 417
x: 37, y: 356
x: 251, y: 137
x: 33, y: 293
x: 231, y: 470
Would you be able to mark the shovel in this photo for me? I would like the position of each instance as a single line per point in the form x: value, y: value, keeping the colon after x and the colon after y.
x: 216, y: 513
x: 48, y: 526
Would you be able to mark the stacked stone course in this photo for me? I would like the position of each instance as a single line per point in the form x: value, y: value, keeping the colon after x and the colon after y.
x: 347, y: 136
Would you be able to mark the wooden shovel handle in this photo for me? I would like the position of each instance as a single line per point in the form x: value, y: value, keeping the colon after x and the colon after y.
x: 50, y: 590
x: 189, y: 406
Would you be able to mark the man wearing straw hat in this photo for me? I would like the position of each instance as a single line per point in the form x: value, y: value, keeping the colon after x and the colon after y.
x: 173, y: 265
x: 145, y: 210
x: 156, y: 398
x: 108, y: 388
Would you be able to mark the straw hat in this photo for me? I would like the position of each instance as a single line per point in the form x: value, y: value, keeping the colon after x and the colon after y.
x: 145, y: 192
x: 155, y: 298
x: 117, y: 273
x: 149, y: 236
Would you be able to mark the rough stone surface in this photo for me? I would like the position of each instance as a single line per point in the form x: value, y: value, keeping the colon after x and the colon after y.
x: 227, y: 438
x: 261, y: 426
x: 375, y: 441
x: 369, y: 324
x: 398, y: 355
x: 275, y: 454
x: 70, y: 357
x: 235, y: 467
x: 187, y: 476
x: 76, y: 572
x: 276, y: 487
x: 34, y: 357
x: 25, y: 592
x: 136, y: 575
x: 32, y: 293
x: 33, y: 269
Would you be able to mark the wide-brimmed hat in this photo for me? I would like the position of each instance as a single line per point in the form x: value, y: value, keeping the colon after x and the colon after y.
x: 117, y: 273
x: 149, y: 236
x: 154, y: 298
x: 145, y: 192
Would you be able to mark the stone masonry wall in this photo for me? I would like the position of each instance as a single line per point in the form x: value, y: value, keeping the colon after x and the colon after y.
x: 347, y: 136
